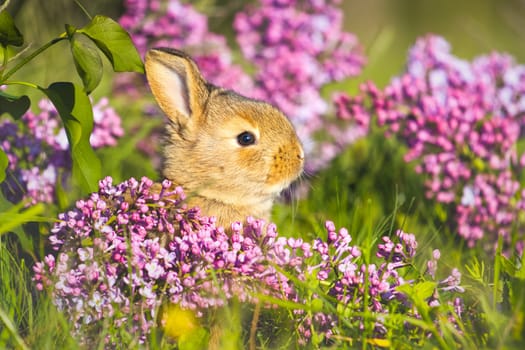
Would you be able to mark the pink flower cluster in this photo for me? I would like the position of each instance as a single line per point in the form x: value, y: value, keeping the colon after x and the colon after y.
x: 130, y: 248
x: 297, y: 46
x: 462, y: 122
x: 37, y: 150
x: 152, y: 23
x: 294, y: 47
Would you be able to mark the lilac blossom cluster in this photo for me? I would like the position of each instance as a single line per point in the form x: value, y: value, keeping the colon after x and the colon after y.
x: 37, y: 150
x: 172, y: 23
x: 294, y: 48
x: 131, y: 248
x: 462, y: 122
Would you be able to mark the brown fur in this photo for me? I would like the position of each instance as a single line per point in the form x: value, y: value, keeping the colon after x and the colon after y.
x: 202, y: 153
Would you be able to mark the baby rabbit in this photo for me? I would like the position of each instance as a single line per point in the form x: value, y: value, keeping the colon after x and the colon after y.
x: 231, y: 154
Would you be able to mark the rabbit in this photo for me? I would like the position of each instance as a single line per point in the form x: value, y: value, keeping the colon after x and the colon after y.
x: 231, y: 154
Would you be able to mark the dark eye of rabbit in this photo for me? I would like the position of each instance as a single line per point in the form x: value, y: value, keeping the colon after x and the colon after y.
x: 246, y: 138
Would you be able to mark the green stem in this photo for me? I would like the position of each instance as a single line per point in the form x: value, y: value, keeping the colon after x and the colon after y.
x: 4, y: 63
x: 83, y: 9
x: 4, y: 6
x: 497, y: 271
x: 33, y: 55
x: 25, y: 83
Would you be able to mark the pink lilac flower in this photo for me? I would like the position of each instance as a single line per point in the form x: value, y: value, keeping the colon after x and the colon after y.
x: 296, y: 47
x: 132, y: 247
x: 37, y: 150
x: 152, y: 23
x: 462, y: 122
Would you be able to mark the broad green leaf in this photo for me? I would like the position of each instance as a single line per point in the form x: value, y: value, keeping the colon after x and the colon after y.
x: 87, y: 61
x: 419, y: 291
x: 116, y: 44
x: 418, y: 294
x: 16, y: 106
x: 9, y: 33
x: 424, y: 290
x: 4, y: 162
x: 76, y: 112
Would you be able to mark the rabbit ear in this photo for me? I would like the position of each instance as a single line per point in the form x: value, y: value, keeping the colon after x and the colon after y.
x: 177, y: 84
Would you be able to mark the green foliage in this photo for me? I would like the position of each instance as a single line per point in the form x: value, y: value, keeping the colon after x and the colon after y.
x: 16, y: 106
x: 497, y: 321
x: 15, y: 299
x: 87, y: 60
x: 9, y: 33
x: 24, y: 322
x: 27, y: 322
x: 76, y: 113
x: 71, y: 102
x: 4, y: 162
x: 16, y: 216
x: 115, y: 43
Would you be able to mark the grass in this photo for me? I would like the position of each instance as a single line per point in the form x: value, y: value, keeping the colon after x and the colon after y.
x: 495, y: 285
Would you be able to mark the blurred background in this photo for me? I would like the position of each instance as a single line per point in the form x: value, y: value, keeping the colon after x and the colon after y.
x: 386, y: 28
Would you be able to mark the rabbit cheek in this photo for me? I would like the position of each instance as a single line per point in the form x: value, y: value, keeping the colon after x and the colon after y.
x: 249, y: 164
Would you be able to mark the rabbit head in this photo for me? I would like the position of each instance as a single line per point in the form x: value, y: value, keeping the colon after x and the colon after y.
x: 231, y: 154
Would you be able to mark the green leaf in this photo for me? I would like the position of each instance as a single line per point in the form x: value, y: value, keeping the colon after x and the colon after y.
x: 17, y: 216
x: 317, y: 305
x: 512, y: 269
x: 508, y: 266
x: 419, y: 291
x: 16, y: 106
x: 75, y: 110
x: 116, y: 44
x: 4, y: 162
x: 198, y: 339
x: 87, y: 61
x: 424, y: 290
x: 9, y: 33
x: 418, y: 294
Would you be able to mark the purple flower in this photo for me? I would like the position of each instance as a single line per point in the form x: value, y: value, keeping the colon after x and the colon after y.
x: 38, y: 153
x: 178, y: 25
x: 103, y: 264
x: 296, y: 50
x: 461, y: 122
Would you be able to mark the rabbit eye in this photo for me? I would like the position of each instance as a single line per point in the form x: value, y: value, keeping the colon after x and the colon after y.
x: 246, y: 138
